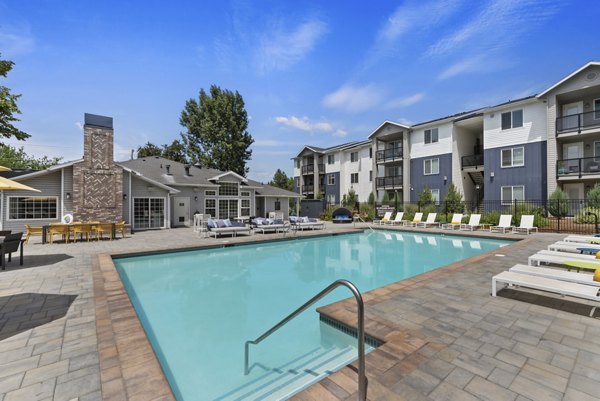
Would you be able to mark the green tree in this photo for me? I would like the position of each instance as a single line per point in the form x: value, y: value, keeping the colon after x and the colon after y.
x: 453, y: 202
x: 217, y: 135
x: 371, y: 199
x: 386, y: 198
x: 425, y: 196
x: 350, y: 199
x: 149, y: 149
x: 593, y: 197
x: 8, y: 107
x: 16, y: 158
x: 175, y: 151
x: 558, y: 203
x: 281, y: 180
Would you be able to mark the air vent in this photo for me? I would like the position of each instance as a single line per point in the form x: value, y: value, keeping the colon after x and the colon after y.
x: 591, y: 76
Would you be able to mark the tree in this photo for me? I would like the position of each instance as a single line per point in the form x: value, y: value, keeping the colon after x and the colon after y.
x: 8, y: 107
x: 453, y: 202
x: 175, y: 151
x: 281, y: 180
x: 148, y: 150
x: 425, y: 196
x: 350, y: 199
x: 371, y: 199
x: 217, y: 135
x: 558, y: 204
x: 16, y: 158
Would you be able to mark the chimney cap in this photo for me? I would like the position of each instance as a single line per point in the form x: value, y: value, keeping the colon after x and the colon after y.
x: 98, y: 121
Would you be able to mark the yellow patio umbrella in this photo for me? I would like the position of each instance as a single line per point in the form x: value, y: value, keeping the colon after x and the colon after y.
x: 2, y: 168
x: 10, y: 185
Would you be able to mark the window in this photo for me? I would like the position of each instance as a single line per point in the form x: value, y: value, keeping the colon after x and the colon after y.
x: 431, y: 166
x: 210, y: 193
x: 245, y: 208
x: 228, y: 208
x: 228, y: 189
x: 148, y: 213
x: 435, y: 195
x: 32, y: 208
x: 371, y: 176
x: 330, y: 159
x: 297, y: 181
x: 330, y: 179
x: 331, y: 199
x: 513, y: 157
x: 297, y: 163
x: 431, y: 135
x: 210, y: 207
x: 245, y: 193
x: 512, y: 119
x: 596, y: 109
x: 354, y: 178
x: 277, y: 205
x: 370, y: 153
x: 354, y: 157
x: 515, y: 192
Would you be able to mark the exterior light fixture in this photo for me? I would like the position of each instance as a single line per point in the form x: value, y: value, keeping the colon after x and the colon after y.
x: 68, y: 195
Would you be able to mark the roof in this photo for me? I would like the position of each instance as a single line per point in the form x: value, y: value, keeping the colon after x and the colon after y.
x: 155, y: 168
x: 387, y: 122
x: 523, y: 99
x: 335, y: 148
x: 462, y: 114
x: 49, y: 170
x: 562, y: 81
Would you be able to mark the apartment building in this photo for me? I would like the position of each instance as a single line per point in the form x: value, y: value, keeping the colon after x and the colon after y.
x: 522, y: 149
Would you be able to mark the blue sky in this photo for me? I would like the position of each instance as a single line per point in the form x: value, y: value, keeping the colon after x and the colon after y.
x: 311, y: 72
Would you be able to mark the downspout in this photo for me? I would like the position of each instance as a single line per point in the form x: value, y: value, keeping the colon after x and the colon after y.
x: 130, y: 198
x: 62, y: 193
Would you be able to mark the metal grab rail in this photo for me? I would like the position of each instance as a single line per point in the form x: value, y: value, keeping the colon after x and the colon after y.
x: 362, y: 378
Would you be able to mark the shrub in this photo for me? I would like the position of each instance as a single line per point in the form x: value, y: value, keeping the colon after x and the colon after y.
x: 582, y: 217
x: 386, y: 198
x: 367, y: 211
x: 492, y: 217
x: 425, y: 196
x: 409, y: 212
x: 558, y: 203
x: 539, y: 218
x: 593, y: 197
x: 371, y: 199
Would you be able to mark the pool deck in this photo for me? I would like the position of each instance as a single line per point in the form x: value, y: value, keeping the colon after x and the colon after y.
x: 68, y: 332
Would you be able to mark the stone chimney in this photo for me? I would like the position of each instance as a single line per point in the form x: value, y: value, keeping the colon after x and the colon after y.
x: 97, y: 181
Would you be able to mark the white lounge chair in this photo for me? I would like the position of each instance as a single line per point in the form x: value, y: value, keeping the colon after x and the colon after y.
x: 429, y: 222
x: 454, y: 223
x: 569, y: 255
x: 546, y: 284
x: 397, y: 219
x: 571, y: 246
x: 386, y: 217
x: 539, y: 258
x: 417, y: 219
x: 472, y: 224
x: 563, y: 275
x: 504, y: 224
x: 588, y: 239
x: 526, y: 225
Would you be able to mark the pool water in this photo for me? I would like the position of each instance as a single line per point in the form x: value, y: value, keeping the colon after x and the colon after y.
x: 200, y: 307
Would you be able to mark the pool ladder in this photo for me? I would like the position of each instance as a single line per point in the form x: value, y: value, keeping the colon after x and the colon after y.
x: 362, y: 378
x: 356, y: 216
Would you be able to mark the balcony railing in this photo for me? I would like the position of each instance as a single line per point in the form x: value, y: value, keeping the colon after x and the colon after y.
x: 310, y: 168
x: 388, y: 154
x: 390, y: 181
x: 578, y: 167
x: 577, y: 122
x: 309, y: 189
x: 471, y: 161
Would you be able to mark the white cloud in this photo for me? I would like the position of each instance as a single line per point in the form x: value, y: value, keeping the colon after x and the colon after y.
x: 354, y: 98
x: 405, y: 101
x: 279, y: 49
x: 305, y: 124
x: 14, y: 42
x: 499, y: 24
x: 79, y: 125
x: 405, y: 121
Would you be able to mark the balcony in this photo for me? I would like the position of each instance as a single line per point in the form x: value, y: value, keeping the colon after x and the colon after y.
x: 575, y: 123
x: 310, y: 189
x: 391, y: 181
x: 388, y: 155
x: 577, y: 168
x: 471, y: 161
x: 310, y: 169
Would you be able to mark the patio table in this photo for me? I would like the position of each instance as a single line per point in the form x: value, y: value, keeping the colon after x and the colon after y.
x: 47, y: 227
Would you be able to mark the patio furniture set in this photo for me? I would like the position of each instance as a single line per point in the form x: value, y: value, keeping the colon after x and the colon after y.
x: 76, y: 230
x: 205, y: 225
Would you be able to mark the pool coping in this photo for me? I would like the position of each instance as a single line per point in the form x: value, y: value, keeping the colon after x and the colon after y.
x: 129, y: 367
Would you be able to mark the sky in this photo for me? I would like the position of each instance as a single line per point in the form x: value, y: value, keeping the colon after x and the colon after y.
x: 311, y: 72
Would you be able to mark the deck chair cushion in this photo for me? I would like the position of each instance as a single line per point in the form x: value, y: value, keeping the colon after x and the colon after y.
x: 597, y: 275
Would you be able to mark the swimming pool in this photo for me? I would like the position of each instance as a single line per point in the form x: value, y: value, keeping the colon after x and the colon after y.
x: 199, y: 307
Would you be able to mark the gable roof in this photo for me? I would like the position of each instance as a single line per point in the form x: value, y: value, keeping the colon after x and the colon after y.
x: 562, y: 81
x: 331, y: 148
x: 236, y: 175
x: 372, y: 134
x: 49, y: 170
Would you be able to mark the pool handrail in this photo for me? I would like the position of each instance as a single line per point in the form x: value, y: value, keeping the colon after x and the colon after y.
x: 362, y: 378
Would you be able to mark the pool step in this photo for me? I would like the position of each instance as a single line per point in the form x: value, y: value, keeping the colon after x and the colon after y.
x: 282, y: 382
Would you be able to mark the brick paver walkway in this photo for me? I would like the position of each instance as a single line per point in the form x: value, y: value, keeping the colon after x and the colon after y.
x: 465, y: 344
